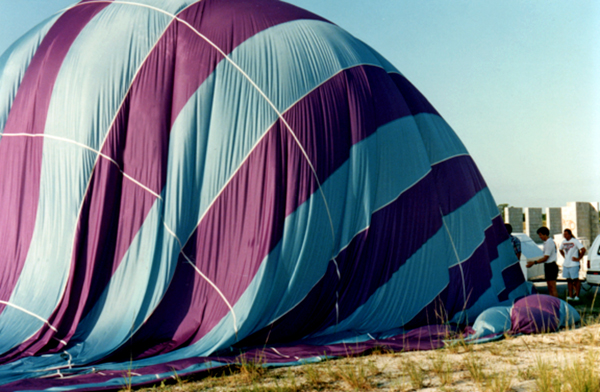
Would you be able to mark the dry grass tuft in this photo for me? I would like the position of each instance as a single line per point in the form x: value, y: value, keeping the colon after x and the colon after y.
x: 552, y: 362
x: 415, y: 373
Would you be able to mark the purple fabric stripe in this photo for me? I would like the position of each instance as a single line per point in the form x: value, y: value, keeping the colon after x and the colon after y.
x: 21, y: 157
x: 454, y: 194
x: 227, y: 24
x: 424, y: 338
x: 138, y: 142
x: 115, y: 208
x: 513, y: 278
x: 275, y: 171
x: 416, y: 218
x: 365, y: 265
x: 477, y: 272
x: 536, y: 313
x: 416, y: 101
x: 360, y: 100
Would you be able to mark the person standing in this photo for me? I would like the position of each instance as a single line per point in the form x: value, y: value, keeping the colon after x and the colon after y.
x: 572, y: 250
x: 516, y: 243
x: 549, y: 260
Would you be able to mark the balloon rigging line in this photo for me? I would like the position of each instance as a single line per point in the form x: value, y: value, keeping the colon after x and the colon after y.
x: 189, y: 261
x: 31, y: 314
x: 289, y: 128
x: 462, y: 274
x: 236, y: 66
x: 98, y: 153
x: 259, y: 90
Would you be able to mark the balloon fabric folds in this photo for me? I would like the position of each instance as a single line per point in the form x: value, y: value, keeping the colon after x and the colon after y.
x: 186, y: 180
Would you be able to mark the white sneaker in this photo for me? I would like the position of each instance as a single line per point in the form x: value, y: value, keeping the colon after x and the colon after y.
x: 569, y: 298
x: 576, y: 298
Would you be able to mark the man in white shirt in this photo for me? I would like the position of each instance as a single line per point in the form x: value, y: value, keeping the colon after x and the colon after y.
x: 549, y: 260
x: 572, y: 250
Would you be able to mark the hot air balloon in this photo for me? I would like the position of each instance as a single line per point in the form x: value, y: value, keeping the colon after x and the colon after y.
x: 184, y: 178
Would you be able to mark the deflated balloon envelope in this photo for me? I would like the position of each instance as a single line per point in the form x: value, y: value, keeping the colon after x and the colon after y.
x: 184, y: 177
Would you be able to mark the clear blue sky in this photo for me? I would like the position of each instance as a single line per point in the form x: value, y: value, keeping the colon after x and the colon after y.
x: 519, y: 81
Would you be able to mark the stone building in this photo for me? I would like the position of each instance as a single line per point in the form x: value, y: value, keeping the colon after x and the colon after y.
x: 580, y: 217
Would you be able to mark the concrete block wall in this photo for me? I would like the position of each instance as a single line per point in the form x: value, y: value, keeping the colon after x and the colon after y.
x: 554, y: 220
x: 533, y: 221
x: 514, y: 216
x: 594, y: 225
x: 582, y: 219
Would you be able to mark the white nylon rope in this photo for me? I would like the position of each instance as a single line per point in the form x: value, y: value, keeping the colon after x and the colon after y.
x: 462, y: 274
x: 14, y: 306
x: 98, y: 153
x: 236, y: 66
x: 288, y: 127
x: 280, y: 116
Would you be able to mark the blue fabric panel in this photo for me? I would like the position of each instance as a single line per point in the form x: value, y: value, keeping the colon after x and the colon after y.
x: 440, y: 140
x: 66, y: 167
x: 569, y: 316
x: 209, y: 161
x: 287, y: 52
x: 492, y: 321
x: 281, y: 282
x: 404, y: 295
x: 467, y: 225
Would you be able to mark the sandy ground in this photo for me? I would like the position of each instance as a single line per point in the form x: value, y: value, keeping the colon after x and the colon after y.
x: 568, y: 360
x: 524, y: 363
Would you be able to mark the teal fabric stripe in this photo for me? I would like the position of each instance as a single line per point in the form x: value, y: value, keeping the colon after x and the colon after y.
x: 411, y: 288
x: 467, y: 225
x: 292, y: 268
x: 210, y: 139
x: 440, y: 140
x: 405, y: 292
x: 385, y: 64
x: 289, y: 60
x: 66, y: 168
